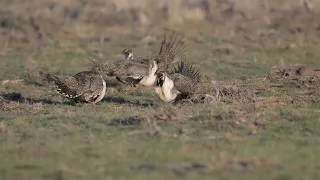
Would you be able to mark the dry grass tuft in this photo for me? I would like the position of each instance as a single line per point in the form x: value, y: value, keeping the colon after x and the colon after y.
x: 3, y: 127
x: 233, y: 94
x: 298, y: 76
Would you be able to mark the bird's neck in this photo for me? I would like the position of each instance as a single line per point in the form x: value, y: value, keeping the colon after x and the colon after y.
x: 167, y: 89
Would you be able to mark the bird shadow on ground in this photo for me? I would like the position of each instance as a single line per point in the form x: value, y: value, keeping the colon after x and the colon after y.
x: 126, y: 121
x: 18, y: 97
x: 136, y: 103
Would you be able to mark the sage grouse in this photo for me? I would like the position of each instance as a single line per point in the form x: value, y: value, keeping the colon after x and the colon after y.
x: 178, y: 84
x: 143, y: 70
x: 84, y: 87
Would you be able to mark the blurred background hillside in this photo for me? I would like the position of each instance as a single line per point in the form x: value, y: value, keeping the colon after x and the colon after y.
x: 64, y: 23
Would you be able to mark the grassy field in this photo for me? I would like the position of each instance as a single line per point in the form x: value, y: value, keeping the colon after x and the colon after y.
x: 264, y: 125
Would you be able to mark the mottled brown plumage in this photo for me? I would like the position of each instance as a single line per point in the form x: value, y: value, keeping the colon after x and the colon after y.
x: 177, y: 84
x: 84, y: 87
x: 127, y: 72
x: 143, y: 70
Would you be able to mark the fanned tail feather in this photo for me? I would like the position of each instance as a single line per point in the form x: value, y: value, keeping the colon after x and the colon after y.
x: 172, y: 48
x: 60, y: 85
x: 188, y: 70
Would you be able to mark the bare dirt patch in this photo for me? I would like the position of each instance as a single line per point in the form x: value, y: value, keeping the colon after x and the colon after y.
x: 298, y: 75
x: 223, y: 160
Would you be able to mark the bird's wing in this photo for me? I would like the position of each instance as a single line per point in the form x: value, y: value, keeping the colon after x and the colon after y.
x: 172, y: 49
x: 132, y: 69
x: 66, y: 85
x: 183, y: 84
x: 127, y: 72
x: 92, y: 85
x: 130, y: 72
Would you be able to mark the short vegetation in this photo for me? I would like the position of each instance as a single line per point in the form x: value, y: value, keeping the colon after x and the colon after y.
x: 255, y: 113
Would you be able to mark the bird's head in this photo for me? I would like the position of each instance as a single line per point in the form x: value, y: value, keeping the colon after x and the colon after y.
x: 127, y: 53
x: 161, y: 78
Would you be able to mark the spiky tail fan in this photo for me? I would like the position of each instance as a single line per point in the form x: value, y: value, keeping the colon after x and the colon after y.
x: 187, y: 70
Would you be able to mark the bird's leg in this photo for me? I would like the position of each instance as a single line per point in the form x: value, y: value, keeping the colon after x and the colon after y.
x: 128, y: 87
x: 91, y: 103
x: 134, y: 87
x: 78, y: 104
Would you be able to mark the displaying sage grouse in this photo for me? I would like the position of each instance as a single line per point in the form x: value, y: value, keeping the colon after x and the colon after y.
x: 143, y: 70
x: 178, y: 84
x: 84, y: 87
